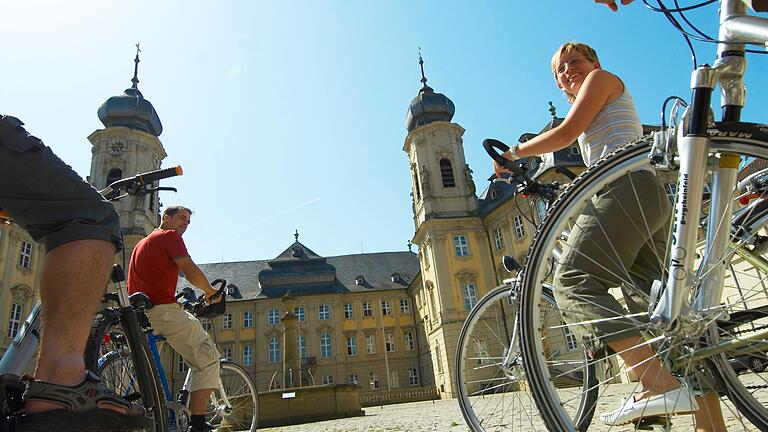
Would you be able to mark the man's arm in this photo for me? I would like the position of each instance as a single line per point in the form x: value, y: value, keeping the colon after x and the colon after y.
x: 195, y: 276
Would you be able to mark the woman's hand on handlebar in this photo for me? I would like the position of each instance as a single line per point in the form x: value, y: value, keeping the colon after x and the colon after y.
x: 612, y: 3
x: 498, y: 169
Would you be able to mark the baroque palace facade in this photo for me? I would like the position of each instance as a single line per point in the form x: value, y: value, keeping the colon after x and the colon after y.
x: 384, y: 321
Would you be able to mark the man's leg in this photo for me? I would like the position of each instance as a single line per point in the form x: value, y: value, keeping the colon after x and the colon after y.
x: 72, y: 279
x: 198, y: 401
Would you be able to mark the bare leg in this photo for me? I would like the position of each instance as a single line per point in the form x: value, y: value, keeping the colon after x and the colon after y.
x: 198, y: 401
x: 656, y: 379
x: 709, y: 417
x: 73, y: 277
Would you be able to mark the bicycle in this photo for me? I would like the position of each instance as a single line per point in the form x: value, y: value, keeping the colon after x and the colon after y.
x: 233, y: 405
x: 492, y: 387
x: 21, y: 352
x: 708, y: 303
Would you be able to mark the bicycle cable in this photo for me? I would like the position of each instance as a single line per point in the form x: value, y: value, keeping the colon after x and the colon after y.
x: 664, y: 109
x: 701, y: 37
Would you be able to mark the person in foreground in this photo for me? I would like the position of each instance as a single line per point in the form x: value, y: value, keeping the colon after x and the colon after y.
x: 81, y: 233
x: 154, y: 270
x: 603, y: 117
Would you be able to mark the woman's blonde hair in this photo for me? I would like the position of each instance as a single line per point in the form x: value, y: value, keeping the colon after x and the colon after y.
x: 587, y: 51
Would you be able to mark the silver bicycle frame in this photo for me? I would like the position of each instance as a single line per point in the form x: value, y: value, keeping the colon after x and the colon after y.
x: 728, y: 71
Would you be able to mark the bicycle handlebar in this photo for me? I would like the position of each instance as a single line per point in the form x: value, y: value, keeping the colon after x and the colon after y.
x: 134, y: 184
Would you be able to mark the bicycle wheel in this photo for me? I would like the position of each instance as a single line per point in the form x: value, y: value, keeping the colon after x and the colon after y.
x: 235, y: 405
x: 109, y: 354
x: 744, y: 292
x: 494, y: 394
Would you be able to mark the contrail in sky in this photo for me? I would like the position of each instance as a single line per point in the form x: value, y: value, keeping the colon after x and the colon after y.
x: 275, y: 216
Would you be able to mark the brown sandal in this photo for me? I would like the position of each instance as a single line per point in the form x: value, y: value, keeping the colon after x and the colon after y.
x: 82, y: 409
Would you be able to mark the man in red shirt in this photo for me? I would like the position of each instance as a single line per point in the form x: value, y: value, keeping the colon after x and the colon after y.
x: 154, y: 270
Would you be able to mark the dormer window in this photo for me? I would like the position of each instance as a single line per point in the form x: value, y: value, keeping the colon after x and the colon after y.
x: 396, y: 278
x: 359, y: 280
x: 575, y: 150
x: 297, y: 252
x: 493, y: 193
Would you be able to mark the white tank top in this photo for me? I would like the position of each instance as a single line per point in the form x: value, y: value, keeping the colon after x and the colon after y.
x: 616, y: 124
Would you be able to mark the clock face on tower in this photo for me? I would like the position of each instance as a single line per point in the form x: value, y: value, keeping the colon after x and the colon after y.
x: 116, y: 148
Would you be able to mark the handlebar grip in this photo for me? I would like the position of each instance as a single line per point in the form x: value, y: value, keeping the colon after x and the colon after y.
x: 154, y: 176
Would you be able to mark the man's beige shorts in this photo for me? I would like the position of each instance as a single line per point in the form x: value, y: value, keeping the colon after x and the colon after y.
x: 186, y: 336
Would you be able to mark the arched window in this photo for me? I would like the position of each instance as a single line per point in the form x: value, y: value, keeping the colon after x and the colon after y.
x: 446, y: 172
x: 418, y: 188
x: 114, y: 175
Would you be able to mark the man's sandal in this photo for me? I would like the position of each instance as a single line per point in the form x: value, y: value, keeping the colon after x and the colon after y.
x: 83, y: 409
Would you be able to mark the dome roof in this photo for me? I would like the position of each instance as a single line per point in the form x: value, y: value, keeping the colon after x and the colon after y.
x: 131, y: 110
x: 428, y: 106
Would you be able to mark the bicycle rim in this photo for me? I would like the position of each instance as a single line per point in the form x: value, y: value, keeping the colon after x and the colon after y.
x: 615, y: 380
x: 242, y: 412
x: 494, y: 395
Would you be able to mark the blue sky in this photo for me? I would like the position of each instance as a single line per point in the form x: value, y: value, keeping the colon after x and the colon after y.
x: 290, y: 114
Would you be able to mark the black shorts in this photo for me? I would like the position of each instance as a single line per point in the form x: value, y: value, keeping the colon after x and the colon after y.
x: 45, y: 196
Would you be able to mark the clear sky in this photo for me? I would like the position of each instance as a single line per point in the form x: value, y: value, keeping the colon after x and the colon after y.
x: 290, y: 114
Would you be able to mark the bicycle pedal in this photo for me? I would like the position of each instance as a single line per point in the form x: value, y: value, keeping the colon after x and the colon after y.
x: 657, y: 423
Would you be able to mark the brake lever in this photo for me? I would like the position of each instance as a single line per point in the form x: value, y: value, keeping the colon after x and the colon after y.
x: 162, y: 188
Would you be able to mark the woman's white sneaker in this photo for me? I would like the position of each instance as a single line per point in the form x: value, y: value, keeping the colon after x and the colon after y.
x: 673, y: 402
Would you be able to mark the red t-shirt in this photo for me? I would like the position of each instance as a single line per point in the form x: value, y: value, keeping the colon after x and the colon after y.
x: 152, y: 269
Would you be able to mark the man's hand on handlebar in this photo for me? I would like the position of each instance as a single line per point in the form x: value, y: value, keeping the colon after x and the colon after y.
x: 612, y: 4
x: 211, y: 297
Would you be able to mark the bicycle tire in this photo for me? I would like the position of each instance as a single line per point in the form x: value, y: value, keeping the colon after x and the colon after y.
x: 562, y: 215
x: 494, y: 396
x: 242, y: 413
x: 110, y: 354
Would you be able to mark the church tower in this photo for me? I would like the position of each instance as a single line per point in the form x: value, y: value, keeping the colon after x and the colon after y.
x: 128, y: 145
x: 456, y: 265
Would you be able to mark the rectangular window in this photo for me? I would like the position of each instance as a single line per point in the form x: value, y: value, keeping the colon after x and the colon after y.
x: 519, y: 228
x: 499, y: 239
x: 181, y: 365
x: 410, y: 342
x: 367, y: 309
x: 439, y: 358
x: 226, y: 321
x: 325, y: 312
x: 14, y: 323
x: 302, y: 347
x: 206, y: 323
x: 570, y: 338
x: 386, y: 307
x: 325, y: 345
x: 481, y: 351
x: 247, y: 319
x: 461, y: 246
x: 299, y: 311
x: 273, y: 316
x: 247, y: 355
x: 348, y: 311
x: 394, y: 380
x: 405, y: 306
x: 370, y: 344
x: 373, y: 381
x: 413, y: 377
x: 351, y: 345
x: 226, y: 353
x: 470, y: 296
x: 327, y: 379
x: 25, y: 254
x: 671, y: 189
x: 274, y: 350
x: 352, y: 379
x: 389, y: 342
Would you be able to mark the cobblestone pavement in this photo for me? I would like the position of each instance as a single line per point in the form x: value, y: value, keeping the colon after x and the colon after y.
x: 445, y: 415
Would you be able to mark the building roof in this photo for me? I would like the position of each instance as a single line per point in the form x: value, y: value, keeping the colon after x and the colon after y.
x: 305, y: 273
